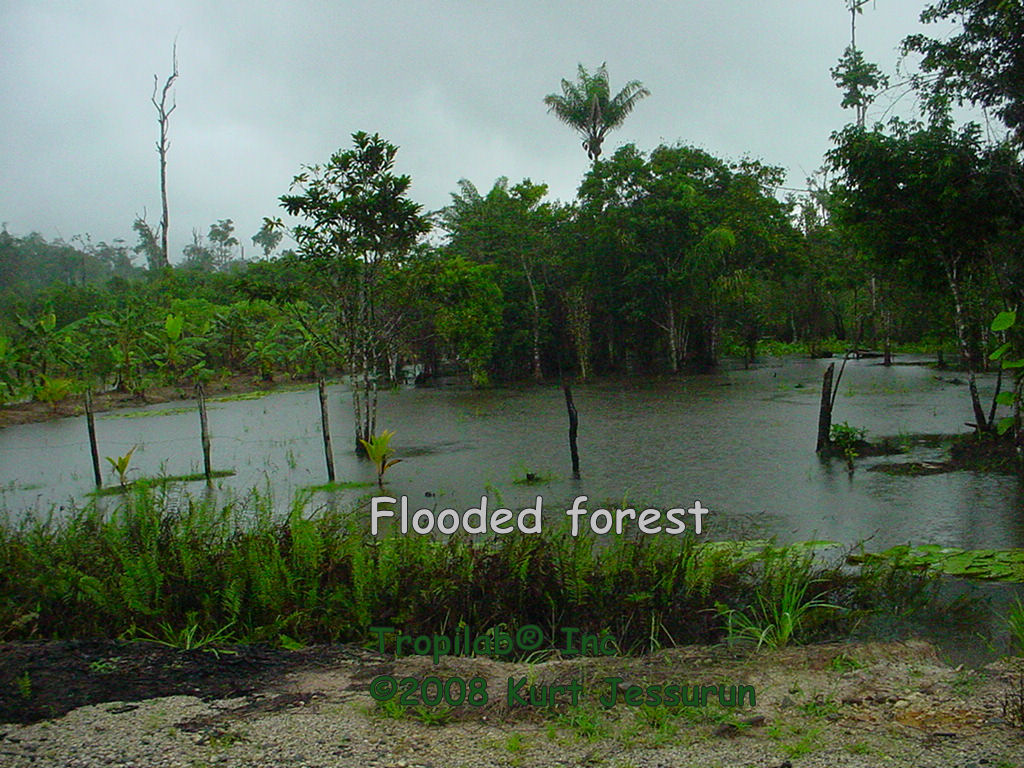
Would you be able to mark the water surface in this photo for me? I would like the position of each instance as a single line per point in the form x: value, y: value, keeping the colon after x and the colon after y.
x: 740, y: 441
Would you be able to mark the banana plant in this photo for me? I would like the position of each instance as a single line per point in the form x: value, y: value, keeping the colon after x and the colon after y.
x: 178, y: 350
x: 378, y: 450
x: 54, y: 389
x: 120, y: 465
x: 267, y: 353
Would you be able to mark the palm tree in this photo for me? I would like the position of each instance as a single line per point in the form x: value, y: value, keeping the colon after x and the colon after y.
x: 587, y: 106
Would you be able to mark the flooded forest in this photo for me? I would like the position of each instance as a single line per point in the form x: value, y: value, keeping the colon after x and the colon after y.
x: 190, y: 442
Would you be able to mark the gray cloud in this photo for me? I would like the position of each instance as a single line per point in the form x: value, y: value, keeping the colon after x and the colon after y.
x: 266, y: 87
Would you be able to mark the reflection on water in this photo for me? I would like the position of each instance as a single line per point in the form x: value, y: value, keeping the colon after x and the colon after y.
x: 742, y: 442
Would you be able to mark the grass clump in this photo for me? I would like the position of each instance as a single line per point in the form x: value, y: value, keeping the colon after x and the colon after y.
x: 1015, y: 623
x: 208, y: 574
x: 785, y: 605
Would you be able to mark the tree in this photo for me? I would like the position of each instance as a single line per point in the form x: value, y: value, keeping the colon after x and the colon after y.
x: 922, y: 196
x: 268, y: 238
x: 223, y: 241
x: 680, y: 234
x: 467, y: 306
x: 149, y: 244
x: 860, y: 81
x: 510, y: 227
x: 163, y: 113
x: 982, y: 64
x: 359, y: 226
x: 199, y: 254
x: 588, y: 106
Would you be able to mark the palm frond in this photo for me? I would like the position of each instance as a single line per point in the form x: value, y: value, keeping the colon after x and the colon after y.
x: 587, y: 105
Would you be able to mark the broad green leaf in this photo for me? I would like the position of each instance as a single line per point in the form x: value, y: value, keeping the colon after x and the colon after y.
x: 173, y: 326
x: 999, y: 352
x: 1003, y: 425
x: 1005, y: 398
x: 1004, y: 320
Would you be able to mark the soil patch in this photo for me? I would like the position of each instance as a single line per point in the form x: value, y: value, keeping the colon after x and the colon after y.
x: 45, y: 680
x: 841, y: 704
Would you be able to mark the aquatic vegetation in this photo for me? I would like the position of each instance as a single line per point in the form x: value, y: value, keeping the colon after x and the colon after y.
x: 846, y: 439
x: 985, y: 564
x: 526, y: 477
x: 120, y: 465
x: 783, y: 607
x: 1015, y: 623
x: 200, y: 570
x: 378, y: 450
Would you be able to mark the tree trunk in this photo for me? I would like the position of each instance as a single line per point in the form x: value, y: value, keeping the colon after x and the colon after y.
x: 538, y: 373
x: 93, y: 448
x: 204, y: 427
x: 578, y: 313
x: 981, y: 423
x: 673, y: 339
x: 825, y: 412
x: 325, y: 428
x: 357, y: 416
x: 887, y: 348
x: 573, y: 429
x: 163, y: 118
x: 1018, y: 428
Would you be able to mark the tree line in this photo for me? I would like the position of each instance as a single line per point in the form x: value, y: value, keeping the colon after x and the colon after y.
x: 667, y: 259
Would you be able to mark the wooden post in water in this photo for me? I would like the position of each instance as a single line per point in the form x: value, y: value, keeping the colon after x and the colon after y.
x: 205, y: 430
x: 91, y: 423
x: 325, y: 426
x: 825, y: 412
x: 573, y: 427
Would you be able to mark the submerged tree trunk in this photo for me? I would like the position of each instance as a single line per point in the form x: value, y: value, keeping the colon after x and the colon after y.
x: 325, y: 428
x: 981, y: 423
x: 204, y: 427
x: 93, y: 448
x: 825, y: 411
x: 573, y: 429
x: 364, y: 403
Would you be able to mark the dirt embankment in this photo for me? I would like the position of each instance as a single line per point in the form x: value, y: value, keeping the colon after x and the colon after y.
x: 827, y: 705
x: 74, y: 405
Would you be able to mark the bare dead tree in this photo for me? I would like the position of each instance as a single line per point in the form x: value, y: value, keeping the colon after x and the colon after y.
x: 163, y: 118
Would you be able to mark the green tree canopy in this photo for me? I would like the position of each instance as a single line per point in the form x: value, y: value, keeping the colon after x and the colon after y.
x: 982, y: 63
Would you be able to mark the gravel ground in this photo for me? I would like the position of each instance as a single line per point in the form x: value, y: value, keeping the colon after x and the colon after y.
x: 893, y: 704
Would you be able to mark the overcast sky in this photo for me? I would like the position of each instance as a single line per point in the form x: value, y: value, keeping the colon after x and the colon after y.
x: 266, y: 87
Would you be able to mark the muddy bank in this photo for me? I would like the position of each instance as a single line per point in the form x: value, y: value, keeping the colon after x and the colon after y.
x: 977, y: 453
x: 74, y: 405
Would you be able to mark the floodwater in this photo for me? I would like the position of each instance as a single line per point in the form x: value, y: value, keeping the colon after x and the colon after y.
x: 739, y: 441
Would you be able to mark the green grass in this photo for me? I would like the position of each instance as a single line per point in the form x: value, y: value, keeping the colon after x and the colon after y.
x: 211, y: 573
x: 342, y: 485
x: 116, y: 490
x: 784, y: 604
x: 148, y: 413
x: 1015, y: 624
